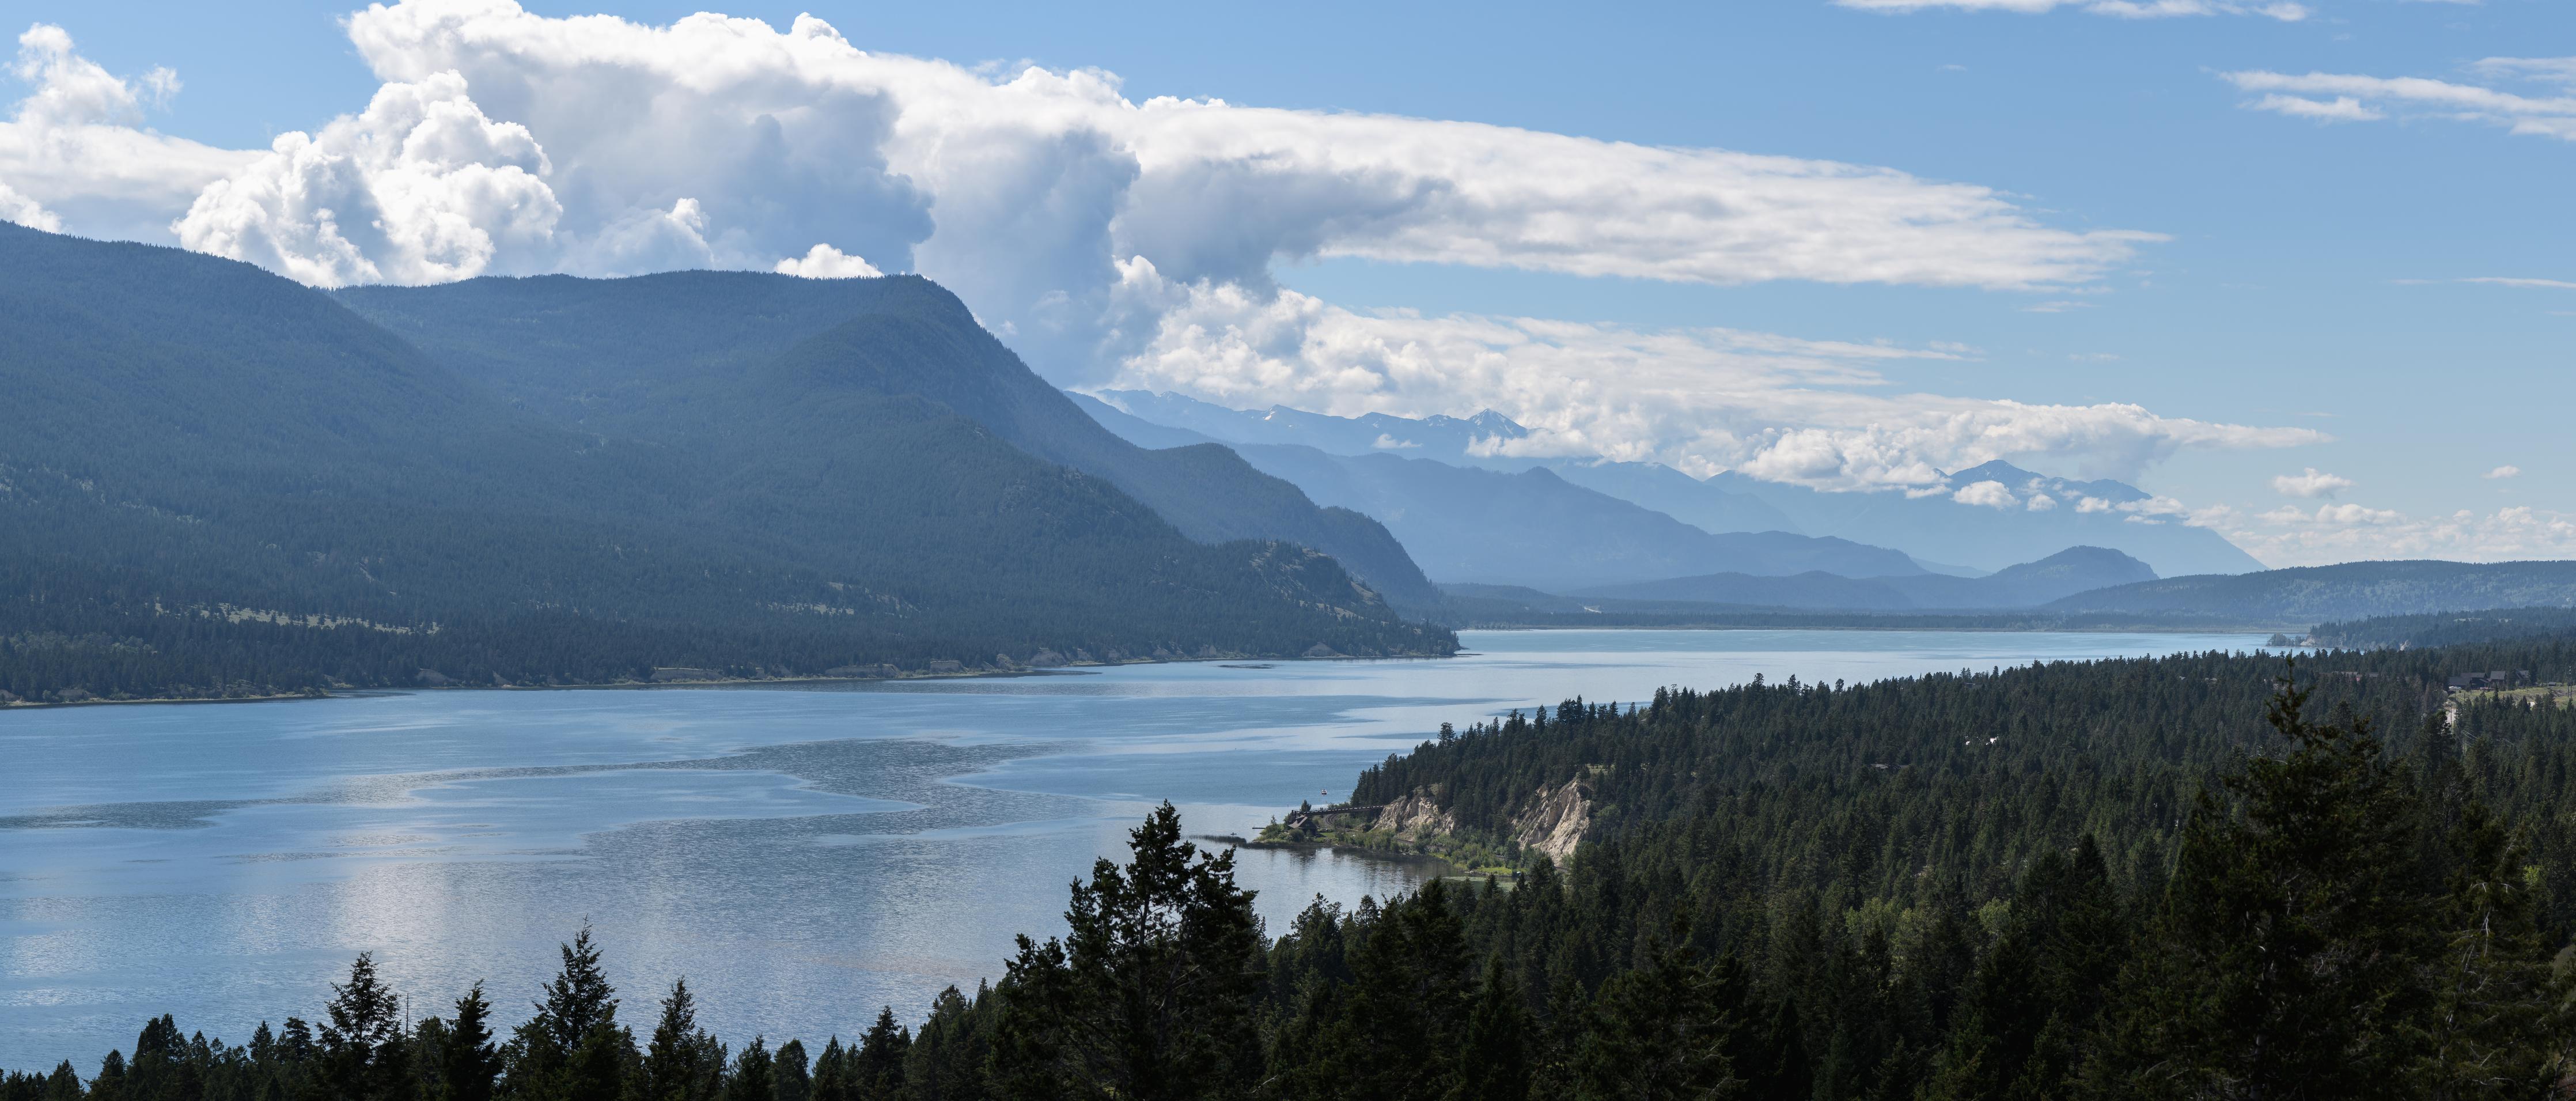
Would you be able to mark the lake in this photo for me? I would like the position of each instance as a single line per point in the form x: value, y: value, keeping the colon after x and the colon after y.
x: 802, y: 853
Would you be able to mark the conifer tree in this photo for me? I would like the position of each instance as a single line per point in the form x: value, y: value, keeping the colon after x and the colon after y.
x: 361, y: 1053
x: 795, y: 1082
x: 573, y: 1049
x: 2286, y: 960
x: 753, y: 1077
x: 681, y: 1062
x: 1150, y: 995
x: 879, y: 1063
x: 1493, y: 1060
x: 470, y: 1062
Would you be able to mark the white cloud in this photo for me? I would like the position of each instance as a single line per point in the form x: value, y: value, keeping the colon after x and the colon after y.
x: 2529, y: 284
x: 2367, y: 98
x: 2041, y: 502
x: 2338, y: 533
x: 1386, y: 442
x: 2310, y: 484
x: 75, y: 145
x: 1985, y: 495
x: 2504, y: 472
x: 2124, y: 9
x: 1701, y: 400
x: 2338, y: 109
x: 2092, y: 504
x: 1115, y: 239
x: 18, y: 209
x: 826, y: 262
x: 421, y: 187
x: 1020, y: 191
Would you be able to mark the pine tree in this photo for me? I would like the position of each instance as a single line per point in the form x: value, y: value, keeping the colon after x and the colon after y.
x: 1493, y: 1057
x: 681, y: 1062
x: 795, y: 1082
x: 360, y: 1041
x: 470, y: 1061
x: 572, y: 1049
x: 1151, y: 994
x: 753, y: 1077
x: 878, y: 1064
x: 1660, y: 1032
x: 2286, y: 961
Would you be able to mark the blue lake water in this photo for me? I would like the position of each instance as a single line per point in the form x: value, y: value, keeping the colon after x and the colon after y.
x: 802, y: 854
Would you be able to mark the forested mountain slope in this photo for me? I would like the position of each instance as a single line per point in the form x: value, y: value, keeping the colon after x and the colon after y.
x: 704, y: 355
x: 213, y: 480
x: 2351, y: 590
x: 2073, y: 570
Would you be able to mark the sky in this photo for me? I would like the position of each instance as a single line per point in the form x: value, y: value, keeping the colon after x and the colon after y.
x: 2307, y: 271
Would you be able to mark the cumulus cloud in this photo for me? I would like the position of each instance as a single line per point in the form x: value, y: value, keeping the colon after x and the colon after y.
x: 1701, y: 400
x: 1989, y: 494
x: 2124, y: 9
x: 421, y: 187
x: 2310, y: 484
x: 2504, y: 472
x: 76, y: 151
x: 18, y: 209
x: 1116, y: 240
x: 2041, y: 502
x: 826, y: 262
x: 2343, y: 97
x: 2338, y: 533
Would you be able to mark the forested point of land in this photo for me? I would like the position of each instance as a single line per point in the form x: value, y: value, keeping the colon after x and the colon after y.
x: 2445, y: 628
x: 2208, y: 875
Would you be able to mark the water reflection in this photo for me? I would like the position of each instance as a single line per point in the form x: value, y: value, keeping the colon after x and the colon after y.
x: 803, y: 853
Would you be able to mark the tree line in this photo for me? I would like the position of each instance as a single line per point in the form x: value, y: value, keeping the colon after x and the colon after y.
x: 2188, y: 879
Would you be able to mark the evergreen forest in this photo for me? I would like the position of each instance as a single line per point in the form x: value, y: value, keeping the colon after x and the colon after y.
x: 2202, y: 876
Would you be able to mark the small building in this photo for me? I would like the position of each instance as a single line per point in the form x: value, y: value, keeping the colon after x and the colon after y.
x: 2490, y: 679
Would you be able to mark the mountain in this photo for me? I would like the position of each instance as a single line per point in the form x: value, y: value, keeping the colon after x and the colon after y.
x: 2029, y: 584
x: 214, y: 480
x: 2009, y: 524
x: 1448, y: 517
x: 671, y: 355
x: 2353, y: 590
x: 1143, y: 415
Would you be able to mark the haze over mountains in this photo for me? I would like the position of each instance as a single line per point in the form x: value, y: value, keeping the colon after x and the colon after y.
x: 1985, y: 518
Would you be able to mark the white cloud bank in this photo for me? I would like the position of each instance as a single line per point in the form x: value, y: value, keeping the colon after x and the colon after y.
x: 1114, y: 240
x: 2341, y: 97
x: 1701, y: 400
x: 2341, y: 533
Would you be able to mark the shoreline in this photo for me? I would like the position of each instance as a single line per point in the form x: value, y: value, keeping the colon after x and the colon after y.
x: 1082, y: 667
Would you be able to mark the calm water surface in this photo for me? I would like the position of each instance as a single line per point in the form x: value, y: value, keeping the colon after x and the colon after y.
x: 802, y: 854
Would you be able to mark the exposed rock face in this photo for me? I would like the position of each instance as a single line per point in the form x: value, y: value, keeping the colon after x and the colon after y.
x: 1415, y: 818
x: 1555, y: 822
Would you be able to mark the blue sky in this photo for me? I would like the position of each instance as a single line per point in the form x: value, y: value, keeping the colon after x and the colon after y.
x: 2307, y: 279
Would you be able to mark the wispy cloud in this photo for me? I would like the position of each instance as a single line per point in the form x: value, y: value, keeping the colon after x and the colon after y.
x: 2344, y: 97
x: 2339, y: 533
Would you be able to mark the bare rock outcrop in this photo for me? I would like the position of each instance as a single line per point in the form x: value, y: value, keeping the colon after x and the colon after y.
x: 1555, y: 821
x: 1415, y: 818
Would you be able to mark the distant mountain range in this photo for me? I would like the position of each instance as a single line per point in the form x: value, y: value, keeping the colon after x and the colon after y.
x: 1961, y: 525
x: 2030, y: 584
x: 2352, y: 590
x: 1533, y: 527
x: 216, y: 481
